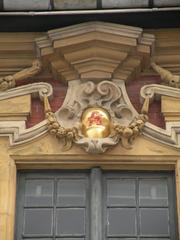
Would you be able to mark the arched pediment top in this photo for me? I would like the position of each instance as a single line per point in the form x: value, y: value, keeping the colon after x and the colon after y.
x: 95, y: 50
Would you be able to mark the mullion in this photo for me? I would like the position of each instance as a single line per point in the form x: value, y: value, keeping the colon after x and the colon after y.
x: 96, y: 204
x: 54, y: 208
x: 105, y: 207
x: 137, y: 209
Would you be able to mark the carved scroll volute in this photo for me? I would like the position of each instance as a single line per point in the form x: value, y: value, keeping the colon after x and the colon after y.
x: 96, y: 115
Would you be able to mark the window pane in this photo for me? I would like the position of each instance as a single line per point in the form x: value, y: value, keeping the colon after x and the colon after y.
x: 154, y: 238
x: 122, y: 238
x: 70, y: 222
x: 121, y: 192
x: 153, y: 192
x: 70, y: 238
x: 38, y: 238
x: 71, y: 192
x: 38, y: 192
x: 154, y: 221
x: 38, y: 221
x: 121, y: 221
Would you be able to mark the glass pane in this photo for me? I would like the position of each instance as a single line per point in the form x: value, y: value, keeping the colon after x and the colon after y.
x: 154, y: 221
x: 71, y: 192
x: 70, y: 222
x: 121, y: 192
x: 38, y: 238
x: 69, y: 238
x: 153, y: 192
x: 122, y: 238
x: 39, y: 192
x: 38, y: 221
x: 121, y: 221
x: 154, y: 238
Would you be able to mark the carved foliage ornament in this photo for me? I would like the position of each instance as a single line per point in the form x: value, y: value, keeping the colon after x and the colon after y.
x: 97, y: 118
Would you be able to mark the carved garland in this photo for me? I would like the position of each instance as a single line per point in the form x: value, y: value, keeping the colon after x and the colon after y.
x: 124, y: 134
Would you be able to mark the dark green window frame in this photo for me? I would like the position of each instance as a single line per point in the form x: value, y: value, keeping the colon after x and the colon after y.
x: 101, y: 213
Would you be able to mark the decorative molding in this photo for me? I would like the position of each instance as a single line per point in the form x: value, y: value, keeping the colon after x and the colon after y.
x: 126, y: 125
x: 170, y: 135
x: 96, y: 51
x: 95, y: 62
x: 66, y: 115
x: 9, y: 81
x: 16, y: 130
x: 17, y: 51
x: 110, y: 95
x: 154, y: 91
x: 35, y: 89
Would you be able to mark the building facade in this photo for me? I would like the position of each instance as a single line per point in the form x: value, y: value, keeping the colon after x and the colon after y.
x: 90, y: 121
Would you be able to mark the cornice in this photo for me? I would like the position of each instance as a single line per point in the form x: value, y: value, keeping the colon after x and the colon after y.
x: 83, y: 51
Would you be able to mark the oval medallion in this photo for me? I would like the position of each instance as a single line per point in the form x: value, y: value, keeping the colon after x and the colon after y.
x: 96, y: 123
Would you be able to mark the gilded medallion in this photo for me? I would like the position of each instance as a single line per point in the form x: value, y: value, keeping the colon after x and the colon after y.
x: 96, y: 123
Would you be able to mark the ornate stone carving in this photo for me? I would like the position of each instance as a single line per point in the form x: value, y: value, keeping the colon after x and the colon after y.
x: 127, y: 134
x: 123, y: 134
x: 68, y: 135
x: 8, y: 82
x: 126, y: 125
x: 170, y: 135
x: 108, y: 95
x: 96, y: 51
x: 169, y: 79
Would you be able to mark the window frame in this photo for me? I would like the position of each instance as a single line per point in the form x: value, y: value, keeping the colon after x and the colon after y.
x: 172, y: 204
x: 54, y: 175
x: 97, y: 192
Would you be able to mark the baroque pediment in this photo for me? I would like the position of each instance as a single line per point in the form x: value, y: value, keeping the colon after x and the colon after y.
x: 94, y: 60
x: 95, y: 50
